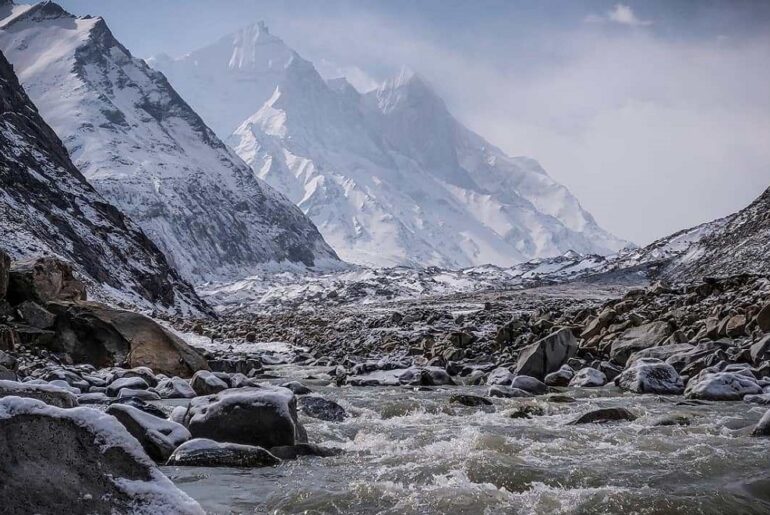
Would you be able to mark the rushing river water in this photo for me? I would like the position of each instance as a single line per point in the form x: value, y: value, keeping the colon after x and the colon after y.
x: 409, y: 451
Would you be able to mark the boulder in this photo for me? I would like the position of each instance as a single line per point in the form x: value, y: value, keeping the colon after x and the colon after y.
x: 760, y: 350
x: 507, y: 392
x: 202, y: 452
x: 79, y: 460
x: 425, y: 376
x: 174, y: 388
x: 322, y: 409
x: 763, y: 426
x: 265, y: 416
x: 134, y: 383
x: 7, y: 375
x: 206, y: 383
x: 49, y: 394
x: 296, y: 387
x: 561, y: 377
x: 103, y: 336
x: 157, y: 436
x: 638, y: 338
x: 547, y: 354
x: 736, y: 326
x: 145, y: 395
x: 42, y: 280
x: 500, y: 375
x: 650, y: 375
x: 5, y: 267
x: 604, y: 415
x: 469, y: 400
x: 36, y: 315
x: 9, y: 338
x: 588, y: 377
x: 763, y: 318
x: 722, y: 386
x: 529, y: 384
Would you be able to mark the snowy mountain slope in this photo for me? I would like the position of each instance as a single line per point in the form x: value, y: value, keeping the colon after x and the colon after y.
x: 48, y: 208
x: 736, y: 244
x: 142, y: 147
x: 389, y: 177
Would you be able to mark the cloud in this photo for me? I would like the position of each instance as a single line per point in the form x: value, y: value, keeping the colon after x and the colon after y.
x: 620, y: 14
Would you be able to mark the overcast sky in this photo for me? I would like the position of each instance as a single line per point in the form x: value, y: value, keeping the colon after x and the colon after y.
x: 656, y: 114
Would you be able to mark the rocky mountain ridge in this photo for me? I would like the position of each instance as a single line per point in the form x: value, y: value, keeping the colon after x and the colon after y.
x: 48, y: 208
x: 146, y: 151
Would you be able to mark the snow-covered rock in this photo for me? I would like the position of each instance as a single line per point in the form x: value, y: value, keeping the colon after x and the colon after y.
x: 264, y: 416
x: 390, y: 177
x: 588, y: 377
x: 650, y: 375
x: 47, y: 393
x: 145, y: 150
x: 78, y: 460
x: 722, y: 386
x: 48, y: 208
x: 159, y: 437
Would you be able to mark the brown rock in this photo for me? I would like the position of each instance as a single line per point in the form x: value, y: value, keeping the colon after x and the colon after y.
x: 42, y: 280
x: 103, y: 336
x: 763, y: 318
x: 736, y: 326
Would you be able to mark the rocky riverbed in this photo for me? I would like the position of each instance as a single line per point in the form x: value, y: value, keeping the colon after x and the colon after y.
x: 576, y: 398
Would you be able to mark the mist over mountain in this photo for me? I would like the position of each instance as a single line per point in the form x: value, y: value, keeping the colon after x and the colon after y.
x: 389, y: 177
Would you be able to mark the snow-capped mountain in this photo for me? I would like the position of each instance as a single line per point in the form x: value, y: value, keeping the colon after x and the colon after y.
x: 389, y: 177
x: 144, y: 149
x: 48, y: 208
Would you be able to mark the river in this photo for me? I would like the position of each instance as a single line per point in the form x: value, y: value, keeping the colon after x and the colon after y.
x: 410, y: 450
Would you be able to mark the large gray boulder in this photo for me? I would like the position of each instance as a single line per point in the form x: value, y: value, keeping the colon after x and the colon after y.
x: 158, y: 437
x: 202, y: 452
x: 547, y: 354
x: 638, y: 338
x: 650, y: 375
x: 78, y: 460
x: 47, y: 393
x: 264, y: 416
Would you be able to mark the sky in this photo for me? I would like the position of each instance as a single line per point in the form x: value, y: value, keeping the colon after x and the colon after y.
x: 655, y: 114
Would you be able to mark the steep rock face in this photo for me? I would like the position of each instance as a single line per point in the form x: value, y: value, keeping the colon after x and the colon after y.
x: 142, y: 147
x: 389, y: 177
x: 47, y: 207
x: 739, y: 243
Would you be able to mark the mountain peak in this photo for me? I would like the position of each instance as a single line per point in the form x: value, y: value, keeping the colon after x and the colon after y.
x: 407, y: 87
x: 35, y: 13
